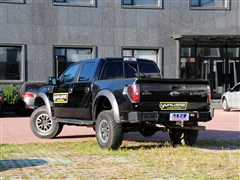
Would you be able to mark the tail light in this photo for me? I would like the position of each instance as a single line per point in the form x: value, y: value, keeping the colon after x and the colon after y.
x: 1, y: 97
x: 27, y: 94
x: 133, y: 92
x: 209, y: 94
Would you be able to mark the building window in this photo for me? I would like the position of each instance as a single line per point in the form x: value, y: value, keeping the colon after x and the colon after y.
x: 65, y: 56
x: 75, y: 2
x: 154, y: 54
x: 233, y: 52
x: 151, y: 54
x: 142, y: 3
x: 11, y: 63
x: 12, y: 1
x: 209, y: 4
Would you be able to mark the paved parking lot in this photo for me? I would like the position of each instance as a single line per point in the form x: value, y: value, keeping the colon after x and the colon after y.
x: 224, y: 126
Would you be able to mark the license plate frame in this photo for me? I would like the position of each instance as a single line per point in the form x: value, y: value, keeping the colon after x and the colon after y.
x: 179, y: 117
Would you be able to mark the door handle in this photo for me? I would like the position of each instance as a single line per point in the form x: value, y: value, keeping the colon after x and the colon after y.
x: 70, y: 90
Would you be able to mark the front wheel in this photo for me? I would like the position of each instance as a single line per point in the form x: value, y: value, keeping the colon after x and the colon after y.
x: 183, y: 137
x: 44, y: 126
x: 109, y: 134
x: 225, y: 105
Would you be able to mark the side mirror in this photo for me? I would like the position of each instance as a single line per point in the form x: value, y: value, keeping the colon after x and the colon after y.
x: 52, y: 81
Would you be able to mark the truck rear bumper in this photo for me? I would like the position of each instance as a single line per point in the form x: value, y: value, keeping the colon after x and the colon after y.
x: 164, y: 116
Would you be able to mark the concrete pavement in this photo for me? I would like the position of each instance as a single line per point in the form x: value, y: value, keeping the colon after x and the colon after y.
x: 224, y: 126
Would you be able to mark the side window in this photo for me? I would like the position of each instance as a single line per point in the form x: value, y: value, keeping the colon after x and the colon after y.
x: 112, y: 70
x: 69, y: 74
x: 237, y: 88
x: 87, y: 71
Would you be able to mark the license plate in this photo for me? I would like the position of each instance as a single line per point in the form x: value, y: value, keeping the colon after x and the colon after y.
x: 179, y: 116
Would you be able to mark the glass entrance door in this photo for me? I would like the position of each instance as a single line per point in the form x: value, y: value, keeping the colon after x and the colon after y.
x: 213, y: 70
x: 234, y: 72
x: 219, y: 62
x: 222, y: 74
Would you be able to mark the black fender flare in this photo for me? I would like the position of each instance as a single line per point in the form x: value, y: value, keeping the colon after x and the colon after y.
x: 109, y: 95
x: 47, y: 102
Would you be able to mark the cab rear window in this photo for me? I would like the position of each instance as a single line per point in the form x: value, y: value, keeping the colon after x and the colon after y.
x: 148, y: 68
x: 125, y: 69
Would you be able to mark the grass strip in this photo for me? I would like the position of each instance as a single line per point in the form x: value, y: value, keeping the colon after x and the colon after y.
x: 143, y: 160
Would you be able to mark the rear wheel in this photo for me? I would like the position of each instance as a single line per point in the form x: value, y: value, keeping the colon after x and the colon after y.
x: 42, y: 125
x: 109, y: 134
x: 225, y: 105
x: 183, y: 137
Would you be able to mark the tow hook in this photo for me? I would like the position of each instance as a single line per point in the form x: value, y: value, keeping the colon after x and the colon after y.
x: 180, y: 123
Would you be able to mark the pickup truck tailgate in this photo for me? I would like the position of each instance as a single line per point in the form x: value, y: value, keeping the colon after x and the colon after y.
x: 173, y: 94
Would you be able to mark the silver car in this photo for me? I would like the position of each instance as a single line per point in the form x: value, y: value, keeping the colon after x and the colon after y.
x: 28, y: 93
x: 231, y: 98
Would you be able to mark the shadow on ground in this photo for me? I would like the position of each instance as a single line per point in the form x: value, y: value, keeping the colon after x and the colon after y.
x: 208, y: 139
x: 20, y: 163
x: 218, y: 135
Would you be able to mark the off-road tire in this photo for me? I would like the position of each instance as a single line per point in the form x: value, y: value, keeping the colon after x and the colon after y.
x: 44, y: 126
x: 225, y: 105
x: 109, y: 134
x: 183, y: 137
x: 59, y: 129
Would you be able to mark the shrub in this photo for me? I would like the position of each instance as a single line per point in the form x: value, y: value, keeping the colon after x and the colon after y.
x: 10, y: 94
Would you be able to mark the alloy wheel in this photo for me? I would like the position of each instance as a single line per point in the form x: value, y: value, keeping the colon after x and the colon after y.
x: 104, y: 131
x: 44, y: 123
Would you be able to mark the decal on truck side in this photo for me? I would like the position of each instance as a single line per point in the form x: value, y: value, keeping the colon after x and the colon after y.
x: 60, y: 97
x: 173, y: 105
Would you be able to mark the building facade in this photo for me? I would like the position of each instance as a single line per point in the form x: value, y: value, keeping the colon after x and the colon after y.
x: 197, y: 39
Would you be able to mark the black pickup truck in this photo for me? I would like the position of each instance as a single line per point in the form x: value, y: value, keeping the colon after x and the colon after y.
x: 118, y: 95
